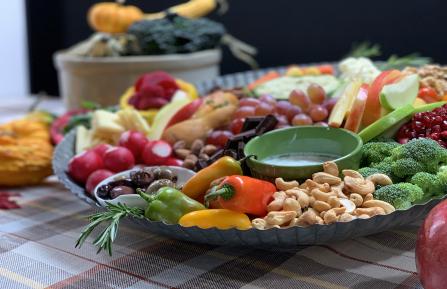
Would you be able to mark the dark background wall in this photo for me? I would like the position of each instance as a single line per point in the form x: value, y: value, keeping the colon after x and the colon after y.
x: 284, y: 31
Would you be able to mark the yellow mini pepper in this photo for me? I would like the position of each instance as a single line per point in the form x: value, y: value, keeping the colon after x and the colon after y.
x: 216, y: 218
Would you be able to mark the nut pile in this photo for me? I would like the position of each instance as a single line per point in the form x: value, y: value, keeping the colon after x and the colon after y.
x: 192, y: 155
x: 325, y: 199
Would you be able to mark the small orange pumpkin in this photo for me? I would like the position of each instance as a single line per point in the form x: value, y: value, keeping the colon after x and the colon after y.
x: 112, y: 17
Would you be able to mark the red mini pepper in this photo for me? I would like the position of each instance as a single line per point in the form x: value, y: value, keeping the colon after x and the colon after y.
x: 243, y: 194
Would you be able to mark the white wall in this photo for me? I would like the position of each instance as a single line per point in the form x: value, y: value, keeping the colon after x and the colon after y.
x: 13, y: 50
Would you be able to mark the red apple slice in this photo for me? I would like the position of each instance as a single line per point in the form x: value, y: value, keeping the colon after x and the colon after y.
x: 185, y: 112
x: 358, y: 108
x: 373, y: 107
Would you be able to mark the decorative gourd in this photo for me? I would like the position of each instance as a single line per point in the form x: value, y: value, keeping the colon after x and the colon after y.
x: 25, y: 152
x: 113, y: 17
x: 116, y: 17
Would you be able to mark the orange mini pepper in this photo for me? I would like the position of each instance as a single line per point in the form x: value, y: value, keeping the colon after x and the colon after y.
x: 243, y: 194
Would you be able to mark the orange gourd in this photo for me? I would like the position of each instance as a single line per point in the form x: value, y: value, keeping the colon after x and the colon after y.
x: 112, y: 17
x: 25, y: 152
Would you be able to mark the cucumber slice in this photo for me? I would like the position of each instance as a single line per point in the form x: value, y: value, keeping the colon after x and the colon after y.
x: 386, y: 122
x: 399, y: 94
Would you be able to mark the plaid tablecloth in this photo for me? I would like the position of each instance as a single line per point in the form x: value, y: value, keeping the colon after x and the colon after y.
x: 37, y: 251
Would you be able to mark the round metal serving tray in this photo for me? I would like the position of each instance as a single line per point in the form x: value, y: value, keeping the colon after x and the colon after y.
x: 287, y: 237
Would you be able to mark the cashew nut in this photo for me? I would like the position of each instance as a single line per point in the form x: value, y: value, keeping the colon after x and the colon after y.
x: 259, y: 223
x: 325, y: 178
x: 368, y: 197
x: 284, y: 186
x: 348, y: 205
x: 345, y: 217
x: 321, y: 206
x: 310, y: 185
x: 369, y: 211
x: 330, y: 217
x: 311, y: 201
x: 319, y: 220
x: 381, y: 204
x: 359, y: 186
x: 300, y: 195
x: 280, y: 218
x: 333, y: 201
x: 309, y: 217
x: 380, y: 179
x: 352, y: 174
x: 291, y: 204
x: 338, y: 191
x: 320, y: 195
x: 331, y: 168
x: 356, y: 199
x: 364, y: 216
x: 278, y: 201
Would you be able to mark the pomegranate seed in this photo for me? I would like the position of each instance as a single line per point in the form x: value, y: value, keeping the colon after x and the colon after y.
x: 444, y: 134
x: 435, y: 136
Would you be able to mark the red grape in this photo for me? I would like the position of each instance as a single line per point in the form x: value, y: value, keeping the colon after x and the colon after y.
x: 283, y: 106
x: 282, y: 120
x: 321, y: 123
x: 299, y: 98
x: 318, y: 113
x: 236, y: 125
x: 330, y: 103
x: 301, y: 119
x: 293, y: 110
x: 249, y: 101
x: 219, y: 138
x: 263, y: 109
x: 316, y: 93
x: 245, y: 111
x: 268, y: 99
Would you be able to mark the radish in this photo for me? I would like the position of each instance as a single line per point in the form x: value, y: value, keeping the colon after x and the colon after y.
x: 101, y: 149
x: 135, y: 142
x: 82, y: 165
x: 95, y: 178
x: 118, y: 159
x: 173, y: 162
x: 156, y: 153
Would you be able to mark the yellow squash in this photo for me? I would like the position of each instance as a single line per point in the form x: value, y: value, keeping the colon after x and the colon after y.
x: 113, y: 17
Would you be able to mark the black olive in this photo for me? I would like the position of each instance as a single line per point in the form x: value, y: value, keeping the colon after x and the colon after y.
x: 121, y: 190
x: 164, y: 173
x: 156, y: 185
x: 141, y: 179
x: 103, y: 191
x: 121, y: 182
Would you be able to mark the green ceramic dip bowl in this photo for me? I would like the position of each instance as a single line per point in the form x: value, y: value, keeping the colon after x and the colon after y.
x: 296, y: 153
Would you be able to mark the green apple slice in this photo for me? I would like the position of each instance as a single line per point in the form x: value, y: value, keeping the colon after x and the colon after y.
x: 386, y: 122
x: 399, y: 94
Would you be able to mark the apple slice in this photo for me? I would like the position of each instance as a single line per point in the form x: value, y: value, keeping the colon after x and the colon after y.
x: 401, y: 93
x: 373, y: 107
x: 386, y: 122
x: 358, y: 108
x: 185, y: 112
x: 165, y: 114
x: 344, y: 104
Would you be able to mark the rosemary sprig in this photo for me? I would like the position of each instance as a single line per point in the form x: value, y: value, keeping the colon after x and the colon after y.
x: 113, y: 214
x: 365, y: 49
x: 396, y: 62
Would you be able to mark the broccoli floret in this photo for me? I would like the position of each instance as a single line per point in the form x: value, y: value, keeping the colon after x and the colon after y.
x: 442, y: 181
x: 367, y: 171
x: 429, y: 183
x: 374, y: 152
x: 419, y: 155
x: 400, y: 195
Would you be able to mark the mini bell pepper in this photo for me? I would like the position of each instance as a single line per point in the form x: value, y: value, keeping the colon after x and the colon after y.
x: 197, y: 186
x: 243, y: 194
x: 219, y: 218
x: 168, y: 205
